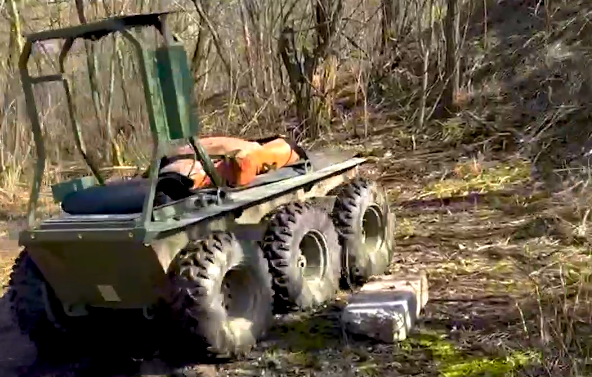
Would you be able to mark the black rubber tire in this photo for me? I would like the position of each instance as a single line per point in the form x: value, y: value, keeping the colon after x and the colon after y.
x: 196, y: 276
x: 287, y: 227
x: 354, y: 199
x: 59, y: 338
x: 30, y: 296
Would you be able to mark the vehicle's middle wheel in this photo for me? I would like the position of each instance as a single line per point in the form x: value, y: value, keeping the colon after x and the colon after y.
x: 221, y: 297
x: 302, y: 248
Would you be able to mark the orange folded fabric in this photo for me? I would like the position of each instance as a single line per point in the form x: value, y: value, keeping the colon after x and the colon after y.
x: 245, y: 160
x: 220, y: 146
x: 273, y: 155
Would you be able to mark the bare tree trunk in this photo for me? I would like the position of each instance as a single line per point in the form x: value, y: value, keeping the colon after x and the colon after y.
x: 302, y: 65
x: 248, y: 48
x: 115, y: 150
x: 452, y: 35
x: 91, y: 62
x: 426, y: 49
x: 15, y: 46
x: 199, y: 50
x: 266, y: 43
x: 205, y: 18
x: 387, y: 21
x: 15, y: 31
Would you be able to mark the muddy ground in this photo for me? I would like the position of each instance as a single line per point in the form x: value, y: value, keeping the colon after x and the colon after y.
x: 491, y: 249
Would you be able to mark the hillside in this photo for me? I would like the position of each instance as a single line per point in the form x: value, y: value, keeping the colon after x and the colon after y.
x: 529, y: 83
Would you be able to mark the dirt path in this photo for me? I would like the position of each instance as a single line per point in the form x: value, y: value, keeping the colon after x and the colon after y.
x: 489, y: 260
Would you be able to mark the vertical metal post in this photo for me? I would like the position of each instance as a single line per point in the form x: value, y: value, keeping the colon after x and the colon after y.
x: 37, y: 132
x: 157, y: 120
x: 171, y: 40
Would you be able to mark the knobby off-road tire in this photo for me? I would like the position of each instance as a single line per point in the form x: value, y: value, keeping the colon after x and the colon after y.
x: 296, y: 236
x: 221, y: 298
x: 59, y: 338
x: 366, y: 234
x: 37, y: 312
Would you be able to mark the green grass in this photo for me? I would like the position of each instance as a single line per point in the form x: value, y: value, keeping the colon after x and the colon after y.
x: 454, y: 362
x: 310, y: 333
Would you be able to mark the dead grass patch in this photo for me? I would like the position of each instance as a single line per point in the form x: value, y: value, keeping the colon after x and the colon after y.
x: 6, y: 263
x: 507, y: 272
x: 475, y: 176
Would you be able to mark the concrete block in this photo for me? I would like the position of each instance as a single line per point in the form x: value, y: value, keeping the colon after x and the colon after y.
x: 387, y: 307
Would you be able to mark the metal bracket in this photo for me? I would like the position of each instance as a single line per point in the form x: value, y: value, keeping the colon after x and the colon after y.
x: 75, y: 310
x: 149, y: 312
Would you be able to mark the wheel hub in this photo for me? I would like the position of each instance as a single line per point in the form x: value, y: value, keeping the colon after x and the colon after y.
x: 227, y: 294
x: 302, y: 262
x: 373, y: 228
x: 237, y: 292
x: 312, y: 260
x: 363, y: 235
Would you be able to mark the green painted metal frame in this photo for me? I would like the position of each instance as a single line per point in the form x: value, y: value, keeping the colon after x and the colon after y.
x: 152, y: 95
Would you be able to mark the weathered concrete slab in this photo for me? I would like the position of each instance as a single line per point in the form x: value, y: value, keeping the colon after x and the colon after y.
x: 387, y: 308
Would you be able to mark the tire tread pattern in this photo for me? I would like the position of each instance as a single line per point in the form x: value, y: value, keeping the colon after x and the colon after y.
x: 285, y: 222
x: 349, y: 199
x: 194, y: 298
x: 26, y: 292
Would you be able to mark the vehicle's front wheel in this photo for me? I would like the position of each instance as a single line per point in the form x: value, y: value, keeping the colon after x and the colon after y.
x: 222, y: 299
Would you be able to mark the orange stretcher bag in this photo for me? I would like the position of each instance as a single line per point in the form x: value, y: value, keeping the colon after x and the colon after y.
x: 245, y: 166
x: 243, y: 161
x: 220, y: 146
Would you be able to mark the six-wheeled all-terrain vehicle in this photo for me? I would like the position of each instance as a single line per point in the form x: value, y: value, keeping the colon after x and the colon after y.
x: 162, y: 262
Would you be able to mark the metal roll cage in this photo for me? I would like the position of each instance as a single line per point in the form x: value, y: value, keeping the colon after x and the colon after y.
x: 95, y: 31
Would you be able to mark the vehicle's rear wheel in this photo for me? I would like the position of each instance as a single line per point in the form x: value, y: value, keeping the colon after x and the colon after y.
x: 302, y: 248
x: 366, y: 228
x: 37, y: 312
x: 222, y: 297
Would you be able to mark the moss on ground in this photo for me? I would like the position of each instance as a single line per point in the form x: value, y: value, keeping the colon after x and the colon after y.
x: 454, y: 362
x: 309, y: 333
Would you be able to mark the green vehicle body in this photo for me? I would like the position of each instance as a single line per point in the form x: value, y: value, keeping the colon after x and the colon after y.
x: 121, y: 261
